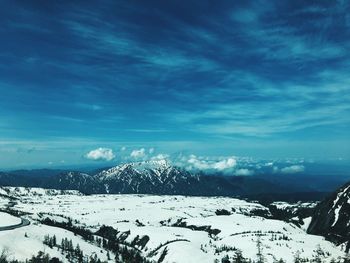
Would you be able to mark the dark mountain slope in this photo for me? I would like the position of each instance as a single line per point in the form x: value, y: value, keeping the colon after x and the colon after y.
x: 332, y: 217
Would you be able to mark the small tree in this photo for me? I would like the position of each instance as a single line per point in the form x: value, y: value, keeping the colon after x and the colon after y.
x: 297, y: 258
x: 346, y: 259
x: 3, y: 256
x: 319, y: 253
x: 238, y: 257
x: 225, y: 259
x: 259, y: 254
x: 54, y: 240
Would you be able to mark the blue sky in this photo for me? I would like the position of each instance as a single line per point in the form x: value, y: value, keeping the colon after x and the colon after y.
x: 212, y: 78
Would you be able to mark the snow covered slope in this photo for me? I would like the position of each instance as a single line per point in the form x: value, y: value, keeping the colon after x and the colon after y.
x: 18, y: 192
x: 22, y: 243
x: 200, y: 229
x: 8, y: 220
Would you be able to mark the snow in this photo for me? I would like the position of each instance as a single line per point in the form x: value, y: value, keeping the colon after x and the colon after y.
x: 337, y: 207
x: 294, y: 206
x: 30, y: 192
x: 145, y: 208
x: 3, y: 201
x: 167, y: 221
x: 339, y: 195
x: 8, y: 220
x: 141, y: 168
x: 184, y: 251
x: 336, y: 215
x: 152, y: 164
x: 307, y: 222
x: 20, y: 247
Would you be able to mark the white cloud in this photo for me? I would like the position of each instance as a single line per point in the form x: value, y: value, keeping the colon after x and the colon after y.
x: 206, y: 164
x: 293, y: 169
x: 160, y: 156
x: 151, y: 150
x: 225, y: 164
x: 244, y: 172
x: 138, y: 154
x: 101, y: 154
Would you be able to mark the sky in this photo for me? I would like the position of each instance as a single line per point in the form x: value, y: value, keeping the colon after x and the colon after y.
x: 98, y: 81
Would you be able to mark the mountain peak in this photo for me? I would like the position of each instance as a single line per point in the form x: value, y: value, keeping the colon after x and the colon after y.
x: 151, y: 164
x: 136, y: 168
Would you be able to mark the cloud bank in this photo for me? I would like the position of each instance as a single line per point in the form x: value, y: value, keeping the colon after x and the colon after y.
x: 224, y: 165
x: 293, y: 169
x: 206, y: 164
x: 243, y: 172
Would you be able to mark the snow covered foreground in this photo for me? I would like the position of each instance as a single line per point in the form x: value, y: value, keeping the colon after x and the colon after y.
x: 8, y: 220
x: 187, y: 227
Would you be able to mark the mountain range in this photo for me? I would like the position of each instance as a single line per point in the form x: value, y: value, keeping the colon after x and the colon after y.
x: 330, y: 218
x: 161, y: 177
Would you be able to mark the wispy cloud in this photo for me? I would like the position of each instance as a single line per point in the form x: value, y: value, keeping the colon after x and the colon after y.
x: 270, y: 107
x: 250, y: 73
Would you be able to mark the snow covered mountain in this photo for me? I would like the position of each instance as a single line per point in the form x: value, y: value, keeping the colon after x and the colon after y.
x: 75, y: 181
x: 157, y: 177
x: 160, y: 177
x: 149, y: 177
x: 332, y: 217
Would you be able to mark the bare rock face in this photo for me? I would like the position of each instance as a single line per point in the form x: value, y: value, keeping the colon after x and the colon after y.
x: 332, y: 217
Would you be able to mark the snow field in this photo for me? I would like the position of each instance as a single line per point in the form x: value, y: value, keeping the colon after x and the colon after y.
x: 178, y: 224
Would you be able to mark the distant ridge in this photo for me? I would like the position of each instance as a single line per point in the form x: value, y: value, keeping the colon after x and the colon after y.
x: 149, y: 177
